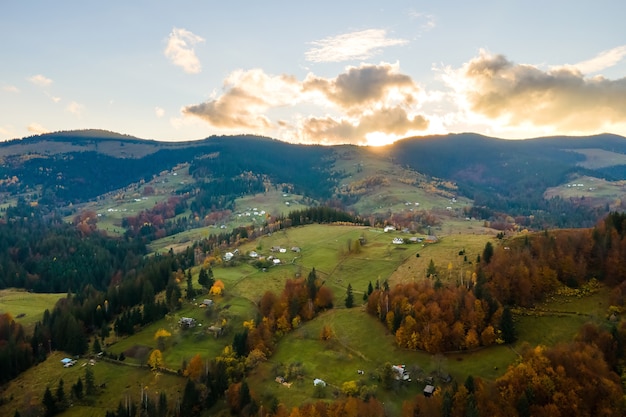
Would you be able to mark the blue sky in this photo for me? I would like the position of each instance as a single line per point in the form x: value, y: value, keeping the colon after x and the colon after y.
x: 367, y: 72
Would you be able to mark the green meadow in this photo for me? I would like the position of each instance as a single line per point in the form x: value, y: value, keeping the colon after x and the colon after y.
x: 27, y: 308
x: 115, y: 382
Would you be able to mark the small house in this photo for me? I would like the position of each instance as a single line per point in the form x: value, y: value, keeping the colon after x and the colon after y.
x: 389, y: 229
x: 400, y: 373
x: 253, y: 254
x: 187, y: 322
x: 295, y: 249
x: 318, y: 382
x: 429, y: 390
x: 207, y: 302
x: 228, y: 256
x: 397, y: 241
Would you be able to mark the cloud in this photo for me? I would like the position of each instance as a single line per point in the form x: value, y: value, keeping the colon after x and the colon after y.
x: 351, y: 46
x: 159, y: 112
x: 40, y: 80
x: 345, y: 109
x: 603, y: 60
x: 37, y: 129
x: 390, y: 123
x: 363, y: 86
x: 248, y: 95
x: 10, y: 89
x: 426, y: 21
x: 75, y: 108
x: 180, y: 50
x: 521, y: 95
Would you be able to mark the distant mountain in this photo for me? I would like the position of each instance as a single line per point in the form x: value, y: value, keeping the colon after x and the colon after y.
x: 499, y: 175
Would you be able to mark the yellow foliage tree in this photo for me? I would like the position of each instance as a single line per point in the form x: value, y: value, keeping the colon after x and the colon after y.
x: 326, y: 333
x: 156, y: 359
x: 217, y: 288
x: 350, y: 388
x: 161, y: 336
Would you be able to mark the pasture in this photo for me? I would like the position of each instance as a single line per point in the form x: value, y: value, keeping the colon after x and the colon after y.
x: 27, y: 308
x: 115, y: 381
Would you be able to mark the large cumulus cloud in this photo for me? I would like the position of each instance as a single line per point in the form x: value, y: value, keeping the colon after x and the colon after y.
x: 349, y: 108
x: 559, y: 99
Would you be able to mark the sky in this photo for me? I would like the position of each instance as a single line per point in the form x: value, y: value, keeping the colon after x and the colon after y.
x: 322, y: 72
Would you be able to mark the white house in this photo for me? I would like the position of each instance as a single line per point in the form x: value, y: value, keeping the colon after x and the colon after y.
x: 319, y: 382
x: 397, y: 241
x: 389, y: 229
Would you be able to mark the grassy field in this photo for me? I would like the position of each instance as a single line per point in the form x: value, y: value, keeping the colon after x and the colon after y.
x: 120, y: 381
x: 27, y: 308
x: 360, y: 342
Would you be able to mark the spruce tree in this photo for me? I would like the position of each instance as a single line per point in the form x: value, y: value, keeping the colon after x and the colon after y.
x: 507, y: 326
x: 349, y: 297
x: 49, y: 403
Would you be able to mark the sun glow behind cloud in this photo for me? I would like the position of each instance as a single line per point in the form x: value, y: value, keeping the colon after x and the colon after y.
x: 375, y: 100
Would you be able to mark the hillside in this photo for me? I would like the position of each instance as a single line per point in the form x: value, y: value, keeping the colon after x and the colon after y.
x: 464, y: 175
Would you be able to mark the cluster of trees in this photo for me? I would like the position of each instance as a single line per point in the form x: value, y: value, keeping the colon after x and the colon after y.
x: 16, y: 353
x: 152, y: 224
x: 577, y: 378
x: 322, y: 214
x: 437, y: 318
x: 523, y: 272
x: 300, y: 300
x: 59, y: 401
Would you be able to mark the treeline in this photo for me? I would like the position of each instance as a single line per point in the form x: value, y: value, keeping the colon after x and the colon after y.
x: 322, y: 214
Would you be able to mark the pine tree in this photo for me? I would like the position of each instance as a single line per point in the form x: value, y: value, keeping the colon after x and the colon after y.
x: 96, y: 346
x: 349, y: 297
x: 90, y: 382
x: 77, y: 389
x: 190, y: 291
x: 203, y: 279
x: 507, y: 326
x: 49, y: 403
x: 60, y: 396
x: 488, y: 252
x: 431, y: 271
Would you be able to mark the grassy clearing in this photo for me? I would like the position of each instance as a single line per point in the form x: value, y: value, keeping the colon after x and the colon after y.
x: 26, y: 391
x: 27, y: 308
x: 559, y: 318
x: 229, y: 312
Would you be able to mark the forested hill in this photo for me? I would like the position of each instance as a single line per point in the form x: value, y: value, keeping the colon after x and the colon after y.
x: 508, y: 176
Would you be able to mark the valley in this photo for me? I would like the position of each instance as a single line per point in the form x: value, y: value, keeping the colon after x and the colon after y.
x: 330, y: 264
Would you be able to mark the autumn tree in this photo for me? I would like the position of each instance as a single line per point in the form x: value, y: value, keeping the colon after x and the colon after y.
x: 156, y: 359
x: 326, y: 333
x: 195, y: 368
x: 161, y: 337
x: 217, y: 288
